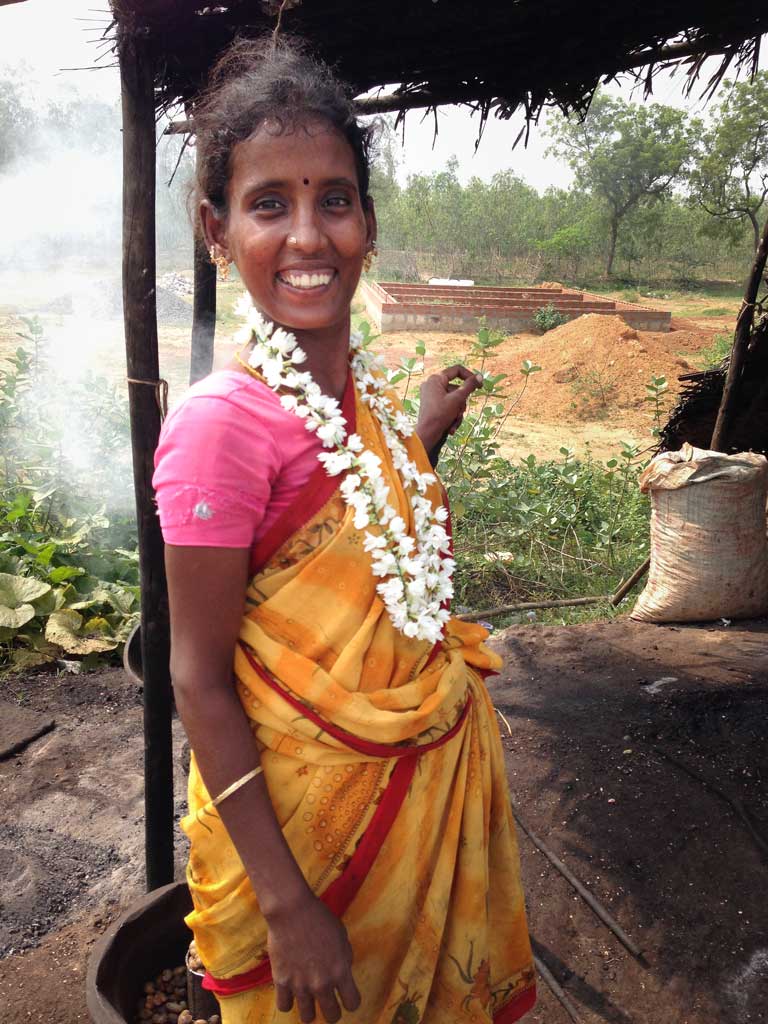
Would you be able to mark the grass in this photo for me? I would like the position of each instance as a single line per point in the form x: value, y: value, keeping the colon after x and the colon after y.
x: 713, y: 355
x: 712, y: 299
x: 716, y: 311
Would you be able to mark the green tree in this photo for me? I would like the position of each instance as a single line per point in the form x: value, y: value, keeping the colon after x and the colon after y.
x: 625, y: 154
x: 570, y: 246
x: 17, y: 119
x: 730, y: 175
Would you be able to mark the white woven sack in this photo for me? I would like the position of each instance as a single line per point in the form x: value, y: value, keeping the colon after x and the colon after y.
x: 709, y: 550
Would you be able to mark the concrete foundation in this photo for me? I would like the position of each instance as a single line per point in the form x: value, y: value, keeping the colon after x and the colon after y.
x: 407, y: 307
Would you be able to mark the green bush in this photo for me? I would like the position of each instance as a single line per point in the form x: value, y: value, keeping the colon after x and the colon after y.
x: 548, y: 317
x: 710, y: 357
x: 68, y: 562
x: 528, y: 529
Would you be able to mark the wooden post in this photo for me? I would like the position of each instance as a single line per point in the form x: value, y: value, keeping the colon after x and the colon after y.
x: 203, y: 313
x: 140, y: 313
x: 740, y: 344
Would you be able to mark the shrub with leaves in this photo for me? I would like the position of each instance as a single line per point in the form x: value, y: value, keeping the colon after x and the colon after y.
x: 546, y: 318
x: 527, y: 529
x: 68, y: 561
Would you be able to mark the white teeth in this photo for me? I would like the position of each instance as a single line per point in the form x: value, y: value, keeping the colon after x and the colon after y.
x: 302, y: 280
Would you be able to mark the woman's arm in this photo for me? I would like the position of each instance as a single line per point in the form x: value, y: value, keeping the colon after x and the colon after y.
x: 308, y: 946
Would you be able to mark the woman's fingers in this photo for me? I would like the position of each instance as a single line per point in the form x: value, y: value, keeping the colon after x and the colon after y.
x: 457, y: 370
x: 283, y: 997
x: 306, y: 1006
x: 328, y: 1005
x: 325, y: 997
x: 471, y: 381
x: 350, y: 996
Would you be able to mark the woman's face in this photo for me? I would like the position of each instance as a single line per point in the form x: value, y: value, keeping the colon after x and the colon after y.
x: 295, y: 227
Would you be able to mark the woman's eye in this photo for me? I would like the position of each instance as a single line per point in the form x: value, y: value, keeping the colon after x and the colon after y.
x: 338, y: 201
x: 268, y: 205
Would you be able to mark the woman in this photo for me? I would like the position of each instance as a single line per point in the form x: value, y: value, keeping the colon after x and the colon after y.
x: 352, y: 847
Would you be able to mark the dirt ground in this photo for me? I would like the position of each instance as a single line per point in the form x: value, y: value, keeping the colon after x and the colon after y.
x: 590, y: 392
x: 622, y: 740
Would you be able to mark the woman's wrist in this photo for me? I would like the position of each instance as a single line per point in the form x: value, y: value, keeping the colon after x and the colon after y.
x: 278, y: 902
x: 429, y: 432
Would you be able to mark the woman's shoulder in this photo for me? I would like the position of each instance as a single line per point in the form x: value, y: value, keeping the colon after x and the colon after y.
x: 229, y: 398
x: 228, y: 385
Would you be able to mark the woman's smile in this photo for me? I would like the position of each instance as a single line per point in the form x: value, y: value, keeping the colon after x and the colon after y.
x: 306, y: 280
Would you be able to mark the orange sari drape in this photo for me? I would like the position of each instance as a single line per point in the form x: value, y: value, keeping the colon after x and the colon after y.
x: 384, y: 765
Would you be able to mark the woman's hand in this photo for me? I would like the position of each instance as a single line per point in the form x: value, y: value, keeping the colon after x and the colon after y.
x: 311, y: 961
x: 443, y: 403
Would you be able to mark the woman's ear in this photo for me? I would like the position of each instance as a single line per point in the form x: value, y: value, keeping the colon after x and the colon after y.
x: 371, y: 226
x: 214, y: 228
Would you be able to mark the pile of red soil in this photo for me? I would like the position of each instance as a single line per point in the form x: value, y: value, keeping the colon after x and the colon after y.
x: 595, y: 366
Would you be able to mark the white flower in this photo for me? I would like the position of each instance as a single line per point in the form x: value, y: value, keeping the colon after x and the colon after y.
x: 281, y: 340
x: 329, y: 433
x: 416, y: 578
x: 391, y: 590
x: 335, y: 462
x: 372, y: 542
x: 243, y: 305
x: 403, y: 424
x: 361, y: 519
x: 397, y: 526
x: 370, y: 463
x: 384, y: 563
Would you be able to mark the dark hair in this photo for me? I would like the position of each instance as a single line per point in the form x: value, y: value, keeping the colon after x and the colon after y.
x: 270, y: 80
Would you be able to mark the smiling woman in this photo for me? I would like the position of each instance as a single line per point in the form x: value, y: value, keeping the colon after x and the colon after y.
x: 352, y: 845
x: 300, y: 246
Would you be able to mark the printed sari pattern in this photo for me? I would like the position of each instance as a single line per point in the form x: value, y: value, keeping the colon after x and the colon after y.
x: 385, y: 768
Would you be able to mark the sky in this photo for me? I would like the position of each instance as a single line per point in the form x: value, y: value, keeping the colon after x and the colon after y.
x: 69, y: 39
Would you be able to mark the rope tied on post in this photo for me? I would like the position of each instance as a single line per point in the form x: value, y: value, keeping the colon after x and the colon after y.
x: 161, y: 392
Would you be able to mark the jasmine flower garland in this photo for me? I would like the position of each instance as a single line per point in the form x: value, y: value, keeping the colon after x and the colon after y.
x: 416, y: 572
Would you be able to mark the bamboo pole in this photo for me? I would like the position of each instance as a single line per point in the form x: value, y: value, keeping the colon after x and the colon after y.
x: 203, y: 313
x: 740, y: 345
x: 556, y: 989
x: 608, y: 920
x: 618, y: 596
x: 140, y: 313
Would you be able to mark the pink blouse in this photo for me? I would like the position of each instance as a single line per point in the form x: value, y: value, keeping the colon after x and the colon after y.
x: 230, y: 460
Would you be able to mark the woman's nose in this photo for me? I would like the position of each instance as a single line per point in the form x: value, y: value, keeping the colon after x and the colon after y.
x: 305, y: 234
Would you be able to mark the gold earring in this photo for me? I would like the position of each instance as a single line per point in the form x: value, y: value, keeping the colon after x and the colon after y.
x: 369, y: 257
x: 220, y: 262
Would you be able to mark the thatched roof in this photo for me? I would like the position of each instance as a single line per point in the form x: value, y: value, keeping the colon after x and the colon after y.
x: 496, y: 56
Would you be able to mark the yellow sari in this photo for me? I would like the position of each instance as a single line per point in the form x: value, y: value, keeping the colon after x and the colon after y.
x: 385, y: 769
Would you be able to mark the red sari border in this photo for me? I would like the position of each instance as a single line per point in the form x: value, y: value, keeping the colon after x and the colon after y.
x: 517, y: 1007
x: 355, y: 743
x: 343, y: 889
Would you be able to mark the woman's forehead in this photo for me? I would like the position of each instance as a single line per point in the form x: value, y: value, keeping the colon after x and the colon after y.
x: 312, y: 149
